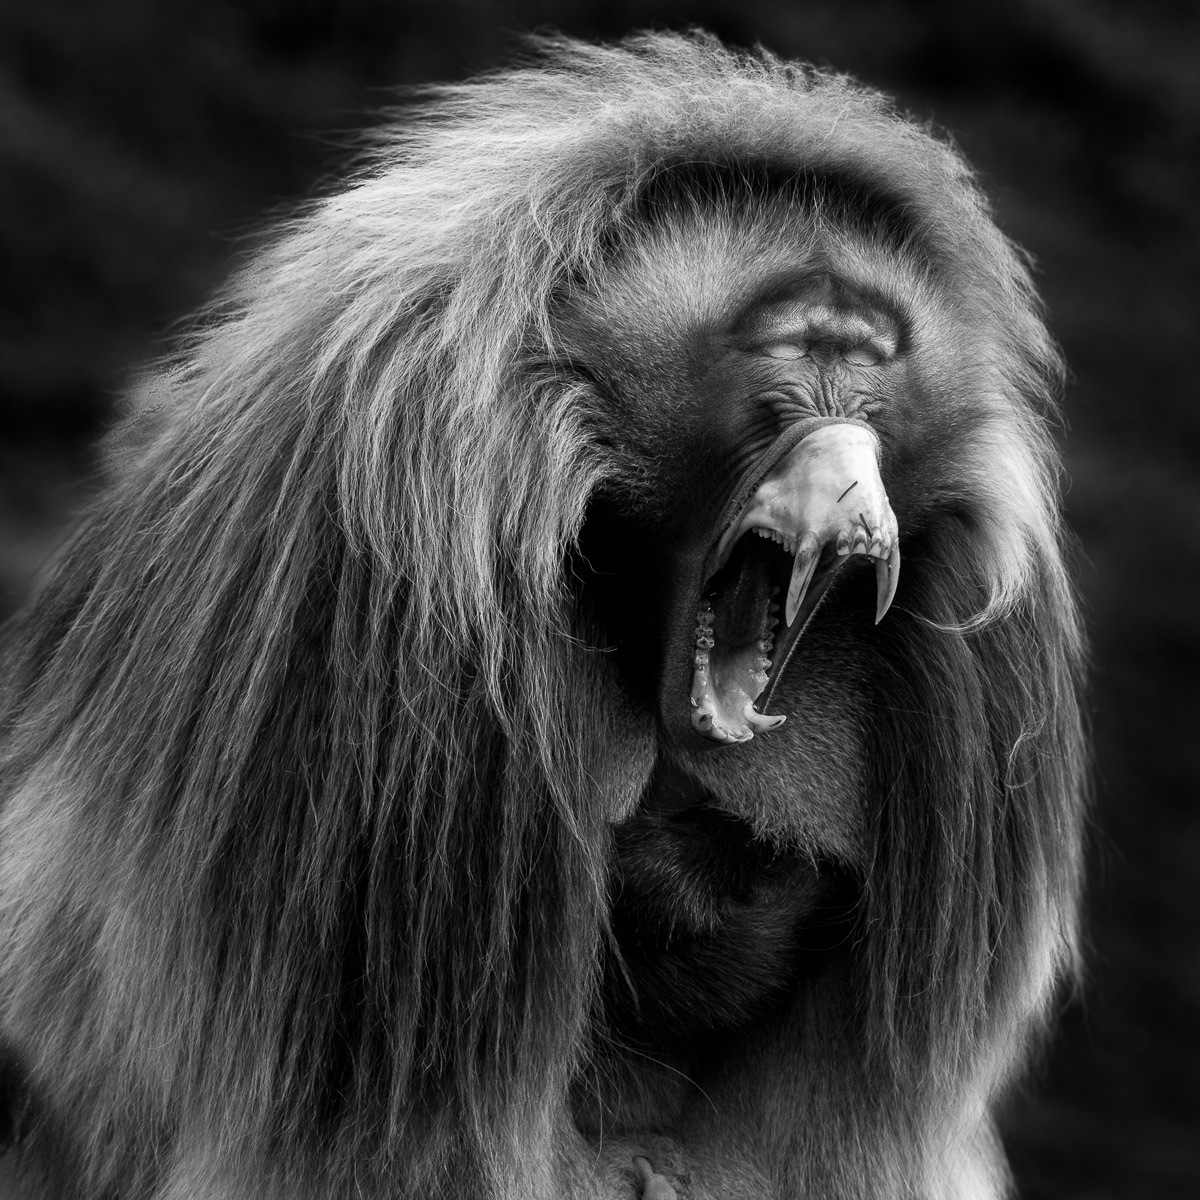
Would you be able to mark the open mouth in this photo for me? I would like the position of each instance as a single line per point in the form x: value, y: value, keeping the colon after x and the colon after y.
x: 820, y: 507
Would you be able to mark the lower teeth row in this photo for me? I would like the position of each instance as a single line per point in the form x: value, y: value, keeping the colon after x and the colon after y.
x: 705, y: 640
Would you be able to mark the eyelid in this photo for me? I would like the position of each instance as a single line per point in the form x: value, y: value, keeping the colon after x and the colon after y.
x: 863, y: 356
x: 785, y: 350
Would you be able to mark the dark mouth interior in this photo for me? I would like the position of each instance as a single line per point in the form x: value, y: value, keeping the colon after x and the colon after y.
x: 742, y: 592
x: 744, y: 598
x: 741, y: 623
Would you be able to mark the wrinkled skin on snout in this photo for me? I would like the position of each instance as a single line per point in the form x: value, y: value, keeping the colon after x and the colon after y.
x: 821, y: 503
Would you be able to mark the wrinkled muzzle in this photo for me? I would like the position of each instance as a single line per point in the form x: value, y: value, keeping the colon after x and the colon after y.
x: 820, y: 507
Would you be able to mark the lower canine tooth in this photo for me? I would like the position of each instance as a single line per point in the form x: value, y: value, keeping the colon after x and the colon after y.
x: 757, y: 721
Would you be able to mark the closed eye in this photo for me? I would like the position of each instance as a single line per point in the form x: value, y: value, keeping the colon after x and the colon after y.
x: 785, y: 350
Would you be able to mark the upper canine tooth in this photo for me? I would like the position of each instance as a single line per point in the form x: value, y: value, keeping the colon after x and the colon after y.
x: 887, y: 575
x: 802, y: 573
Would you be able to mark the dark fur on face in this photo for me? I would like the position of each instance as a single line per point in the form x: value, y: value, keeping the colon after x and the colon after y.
x: 393, y: 800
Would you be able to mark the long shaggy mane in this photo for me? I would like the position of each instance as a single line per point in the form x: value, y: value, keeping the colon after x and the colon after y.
x: 312, y: 755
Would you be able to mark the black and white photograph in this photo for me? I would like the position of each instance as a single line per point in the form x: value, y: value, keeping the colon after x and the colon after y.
x: 599, y: 601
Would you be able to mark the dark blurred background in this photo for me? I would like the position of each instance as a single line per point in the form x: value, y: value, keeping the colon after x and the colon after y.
x: 142, y: 140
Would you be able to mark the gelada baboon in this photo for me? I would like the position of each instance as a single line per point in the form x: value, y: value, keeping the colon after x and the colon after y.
x: 571, y: 690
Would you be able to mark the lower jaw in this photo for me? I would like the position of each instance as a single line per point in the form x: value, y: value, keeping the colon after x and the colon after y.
x: 727, y: 681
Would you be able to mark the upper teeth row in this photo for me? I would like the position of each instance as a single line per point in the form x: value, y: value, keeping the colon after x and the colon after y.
x: 789, y: 544
x: 860, y: 539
